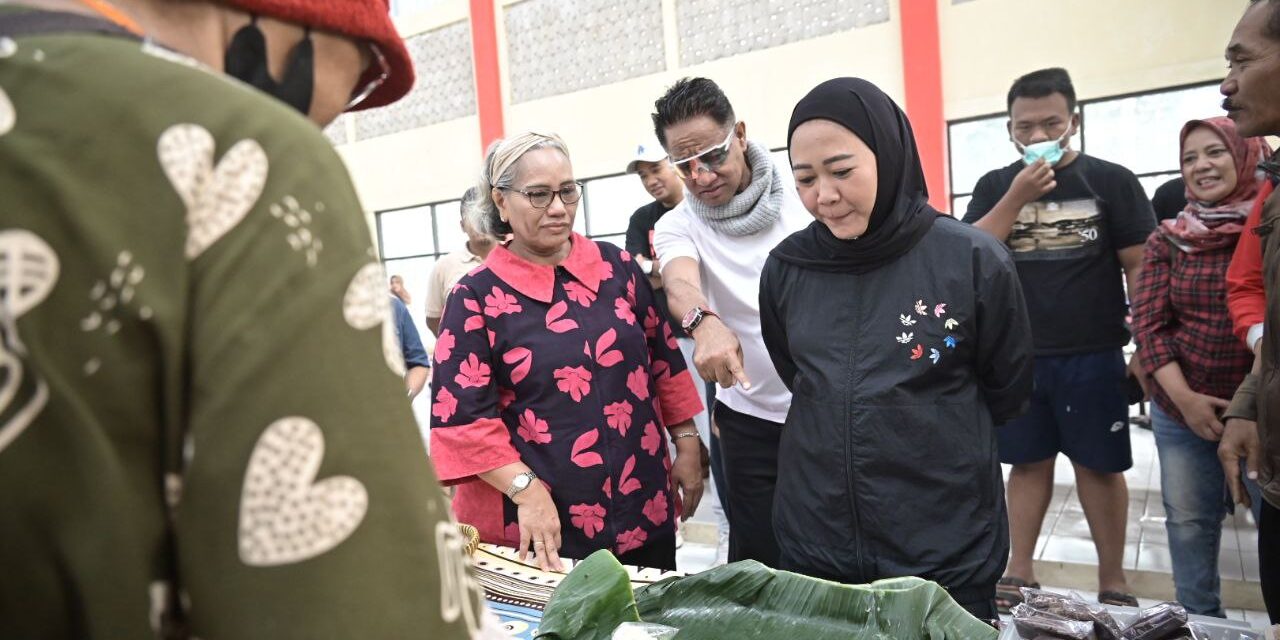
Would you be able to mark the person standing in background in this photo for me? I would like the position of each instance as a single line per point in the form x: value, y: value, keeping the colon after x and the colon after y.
x: 417, y: 366
x: 450, y: 269
x: 1169, y: 199
x: 1183, y: 332
x: 398, y: 290
x: 1076, y: 225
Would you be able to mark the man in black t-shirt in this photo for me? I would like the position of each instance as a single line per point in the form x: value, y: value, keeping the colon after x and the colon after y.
x: 1075, y: 225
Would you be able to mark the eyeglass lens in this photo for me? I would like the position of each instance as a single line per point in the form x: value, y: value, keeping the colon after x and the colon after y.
x: 541, y: 198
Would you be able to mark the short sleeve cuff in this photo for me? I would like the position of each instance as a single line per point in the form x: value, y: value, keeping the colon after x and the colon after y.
x: 460, y: 453
x: 678, y: 397
x: 1254, y: 335
x: 1155, y: 354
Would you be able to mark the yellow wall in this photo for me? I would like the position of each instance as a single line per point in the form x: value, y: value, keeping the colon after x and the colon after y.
x: 602, y: 125
x: 1110, y: 47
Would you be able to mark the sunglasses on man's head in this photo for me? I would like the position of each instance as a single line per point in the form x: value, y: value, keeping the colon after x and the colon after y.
x: 706, y: 161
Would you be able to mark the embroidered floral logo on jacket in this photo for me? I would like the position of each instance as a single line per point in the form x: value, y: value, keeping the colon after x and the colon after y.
x: 918, y: 349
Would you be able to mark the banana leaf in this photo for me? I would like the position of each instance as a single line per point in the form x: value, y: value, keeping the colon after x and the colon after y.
x: 747, y: 600
x: 590, y: 602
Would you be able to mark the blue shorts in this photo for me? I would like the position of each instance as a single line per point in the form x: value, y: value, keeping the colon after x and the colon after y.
x: 1079, y: 408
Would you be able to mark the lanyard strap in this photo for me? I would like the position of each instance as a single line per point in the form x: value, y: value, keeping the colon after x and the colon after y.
x: 34, y: 23
x: 114, y: 14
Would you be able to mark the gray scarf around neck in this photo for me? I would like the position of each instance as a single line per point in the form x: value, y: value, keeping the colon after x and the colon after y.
x: 757, y: 208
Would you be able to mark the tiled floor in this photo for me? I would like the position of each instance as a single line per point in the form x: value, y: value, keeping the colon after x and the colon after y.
x: 693, y: 557
x: 1065, y: 534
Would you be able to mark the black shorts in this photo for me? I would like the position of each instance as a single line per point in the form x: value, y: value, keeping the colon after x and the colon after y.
x: 1079, y: 408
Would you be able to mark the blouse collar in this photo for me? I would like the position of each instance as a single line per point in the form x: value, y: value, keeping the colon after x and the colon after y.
x: 537, y: 281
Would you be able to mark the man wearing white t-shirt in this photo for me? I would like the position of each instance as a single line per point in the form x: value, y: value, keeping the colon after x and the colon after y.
x: 712, y: 247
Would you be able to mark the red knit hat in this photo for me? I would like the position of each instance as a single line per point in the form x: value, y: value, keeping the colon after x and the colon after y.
x: 360, y: 19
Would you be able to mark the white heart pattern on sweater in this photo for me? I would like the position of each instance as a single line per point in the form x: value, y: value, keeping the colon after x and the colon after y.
x: 461, y: 596
x: 7, y: 115
x: 285, y: 515
x: 218, y: 197
x: 367, y: 304
x: 29, y: 269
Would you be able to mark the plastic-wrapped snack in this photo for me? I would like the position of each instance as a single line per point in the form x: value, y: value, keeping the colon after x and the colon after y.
x: 1073, y: 608
x: 1033, y: 624
x: 643, y: 631
x: 1164, y: 621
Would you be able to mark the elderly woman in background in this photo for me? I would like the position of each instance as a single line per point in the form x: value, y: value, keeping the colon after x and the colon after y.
x: 1184, y: 335
x: 557, y: 383
x: 903, y: 337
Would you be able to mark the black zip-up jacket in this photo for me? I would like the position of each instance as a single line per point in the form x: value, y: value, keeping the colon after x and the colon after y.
x: 888, y: 464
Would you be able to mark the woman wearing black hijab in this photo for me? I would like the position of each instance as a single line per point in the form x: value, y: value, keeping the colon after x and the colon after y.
x: 903, y: 336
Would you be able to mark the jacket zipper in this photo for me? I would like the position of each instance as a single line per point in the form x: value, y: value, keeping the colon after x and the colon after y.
x: 848, y: 454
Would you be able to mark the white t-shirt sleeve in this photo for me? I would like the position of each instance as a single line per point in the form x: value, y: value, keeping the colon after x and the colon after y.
x: 1255, y: 334
x: 794, y: 216
x: 673, y: 238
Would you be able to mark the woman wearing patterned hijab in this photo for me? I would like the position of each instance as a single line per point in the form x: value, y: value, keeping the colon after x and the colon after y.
x: 1183, y: 330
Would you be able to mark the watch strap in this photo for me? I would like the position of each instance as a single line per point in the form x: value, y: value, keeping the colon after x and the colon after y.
x: 514, y: 490
x: 694, y: 317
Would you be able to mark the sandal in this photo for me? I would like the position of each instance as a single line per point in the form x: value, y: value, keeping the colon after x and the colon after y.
x: 1118, y: 599
x: 1009, y: 592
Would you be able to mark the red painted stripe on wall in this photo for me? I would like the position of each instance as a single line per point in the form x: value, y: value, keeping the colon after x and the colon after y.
x: 922, y: 76
x: 484, y: 55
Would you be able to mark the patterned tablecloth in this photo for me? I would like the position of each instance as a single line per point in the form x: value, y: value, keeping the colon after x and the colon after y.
x: 518, y: 591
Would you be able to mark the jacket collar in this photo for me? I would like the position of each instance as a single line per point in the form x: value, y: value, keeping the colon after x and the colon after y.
x: 537, y: 281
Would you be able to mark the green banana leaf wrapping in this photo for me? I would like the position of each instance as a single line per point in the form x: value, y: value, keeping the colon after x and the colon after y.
x: 590, y: 602
x: 747, y: 600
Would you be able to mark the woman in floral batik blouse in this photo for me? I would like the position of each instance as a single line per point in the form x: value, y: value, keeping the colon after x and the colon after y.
x: 557, y: 384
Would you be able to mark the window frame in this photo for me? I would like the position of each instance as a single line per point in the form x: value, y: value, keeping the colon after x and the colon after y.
x: 435, y: 231
x: 438, y: 253
x: 955, y: 194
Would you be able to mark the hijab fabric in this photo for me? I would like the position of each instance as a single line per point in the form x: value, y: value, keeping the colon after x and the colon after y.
x: 1204, y: 226
x: 901, y: 215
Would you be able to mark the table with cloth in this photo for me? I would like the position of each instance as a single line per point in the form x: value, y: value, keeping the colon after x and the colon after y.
x: 518, y: 591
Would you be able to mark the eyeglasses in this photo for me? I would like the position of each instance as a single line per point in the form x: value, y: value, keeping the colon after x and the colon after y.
x: 541, y: 198
x: 706, y: 161
x: 384, y: 71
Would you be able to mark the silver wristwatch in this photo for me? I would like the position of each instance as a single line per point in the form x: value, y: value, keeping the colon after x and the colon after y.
x: 520, y: 483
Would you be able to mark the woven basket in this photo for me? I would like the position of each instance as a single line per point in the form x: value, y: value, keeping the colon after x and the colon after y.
x: 473, y: 537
